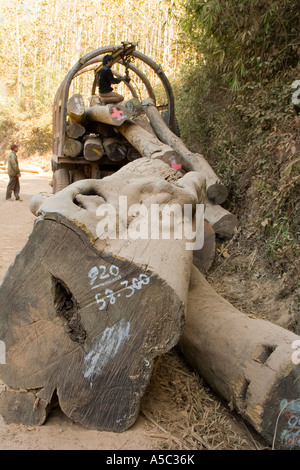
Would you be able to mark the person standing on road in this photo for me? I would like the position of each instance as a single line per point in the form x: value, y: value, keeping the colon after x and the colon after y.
x: 106, y: 79
x: 14, y: 174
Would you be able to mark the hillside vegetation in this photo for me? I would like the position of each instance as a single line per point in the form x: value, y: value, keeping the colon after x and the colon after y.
x: 235, y: 106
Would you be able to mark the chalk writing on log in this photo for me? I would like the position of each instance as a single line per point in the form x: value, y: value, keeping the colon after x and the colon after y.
x: 105, y: 347
x: 291, y: 413
x: 110, y: 276
x: 117, y: 113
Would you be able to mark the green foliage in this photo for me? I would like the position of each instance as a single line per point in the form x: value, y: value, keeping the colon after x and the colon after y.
x: 244, y: 39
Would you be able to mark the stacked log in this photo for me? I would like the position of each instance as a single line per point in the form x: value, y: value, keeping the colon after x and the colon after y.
x: 121, y: 134
x: 216, y: 191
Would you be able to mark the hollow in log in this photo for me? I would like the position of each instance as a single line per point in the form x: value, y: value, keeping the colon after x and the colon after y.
x: 251, y: 363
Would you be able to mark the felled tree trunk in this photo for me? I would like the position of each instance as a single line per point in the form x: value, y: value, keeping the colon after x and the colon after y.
x: 203, y: 258
x: 73, y: 148
x: 148, y: 145
x: 224, y: 223
x: 93, y: 148
x: 75, y: 108
x: 247, y: 361
x: 114, y: 148
x: 75, y: 131
x: 216, y: 191
x: 132, y: 153
x: 83, y: 315
x: 113, y: 114
x: 145, y: 124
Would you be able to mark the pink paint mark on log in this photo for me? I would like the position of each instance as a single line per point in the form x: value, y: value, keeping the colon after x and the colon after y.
x: 117, y: 113
x: 175, y: 166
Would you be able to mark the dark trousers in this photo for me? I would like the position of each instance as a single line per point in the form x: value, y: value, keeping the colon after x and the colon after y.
x: 13, y: 186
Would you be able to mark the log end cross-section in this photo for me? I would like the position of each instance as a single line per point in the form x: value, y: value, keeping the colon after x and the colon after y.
x: 83, y: 325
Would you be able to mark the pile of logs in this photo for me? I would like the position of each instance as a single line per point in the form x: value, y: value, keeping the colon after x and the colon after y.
x: 84, y: 313
x: 130, y: 130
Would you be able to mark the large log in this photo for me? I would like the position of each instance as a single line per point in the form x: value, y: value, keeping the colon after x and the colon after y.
x: 150, y: 146
x: 75, y: 131
x: 76, y: 108
x: 93, y: 148
x: 73, y: 148
x: 113, y: 114
x: 132, y: 153
x: 145, y: 124
x: 252, y: 363
x: 224, y: 223
x: 114, y: 148
x: 204, y: 257
x: 216, y: 192
x: 83, y: 316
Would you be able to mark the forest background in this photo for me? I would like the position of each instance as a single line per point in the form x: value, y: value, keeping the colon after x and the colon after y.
x: 231, y: 63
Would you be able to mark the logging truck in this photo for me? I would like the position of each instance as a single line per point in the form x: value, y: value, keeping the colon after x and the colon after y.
x: 83, y: 148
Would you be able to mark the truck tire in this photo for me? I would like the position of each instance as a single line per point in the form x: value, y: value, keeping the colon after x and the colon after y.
x: 78, y: 175
x: 61, y: 179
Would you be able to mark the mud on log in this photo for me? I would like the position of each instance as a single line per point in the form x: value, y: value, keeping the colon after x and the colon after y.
x: 246, y: 360
x: 82, y: 316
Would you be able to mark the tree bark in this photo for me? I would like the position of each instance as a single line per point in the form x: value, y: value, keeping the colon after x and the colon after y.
x: 93, y: 148
x: 216, y: 191
x: 83, y: 316
x: 148, y: 145
x: 246, y: 360
x: 203, y: 258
